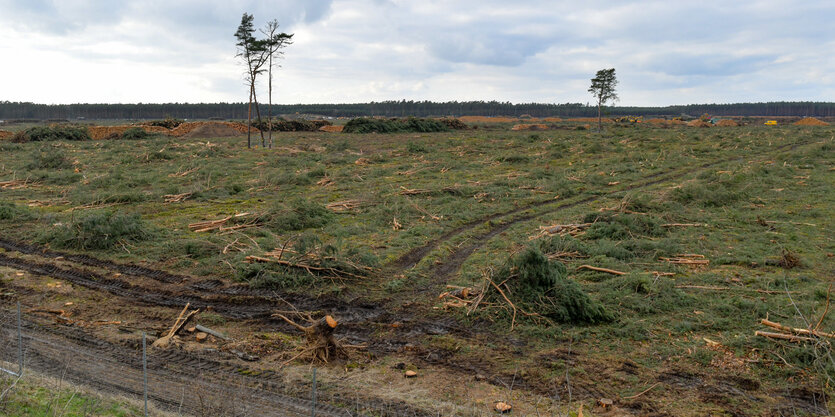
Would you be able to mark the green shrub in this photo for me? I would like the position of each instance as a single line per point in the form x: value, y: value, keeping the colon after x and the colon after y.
x: 411, y: 124
x: 302, y: 214
x: 168, y: 123
x: 101, y: 230
x: 59, y: 132
x: 49, y: 157
x: 135, y: 133
x: 622, y: 226
x: 540, y: 285
x: 11, y: 211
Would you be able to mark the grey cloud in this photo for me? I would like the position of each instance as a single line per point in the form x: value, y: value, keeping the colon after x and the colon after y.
x: 707, y: 65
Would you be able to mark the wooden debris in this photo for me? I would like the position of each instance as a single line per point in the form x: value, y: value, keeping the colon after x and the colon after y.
x: 309, y: 268
x: 503, y: 407
x: 632, y: 397
x: 215, y: 333
x: 415, y: 191
x: 218, y: 224
x: 606, y: 270
x: 783, y: 336
x: 14, y: 184
x: 201, y: 337
x: 605, y: 403
x: 430, y: 215
x: 410, y: 374
x: 344, y: 206
x: 703, y: 287
x: 181, y: 320
x: 787, y: 329
x: 687, y: 259
x: 561, y: 229
x: 395, y: 225
x: 325, y: 182
x: 184, y: 173
x: 321, y: 345
x: 566, y: 255
x: 177, y: 198
x: 684, y: 225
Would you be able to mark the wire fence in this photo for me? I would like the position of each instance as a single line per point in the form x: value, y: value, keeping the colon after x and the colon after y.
x: 166, y: 382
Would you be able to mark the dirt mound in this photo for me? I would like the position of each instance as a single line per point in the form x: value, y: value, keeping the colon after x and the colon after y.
x: 4, y: 134
x: 331, y: 128
x: 112, y: 132
x: 534, y: 126
x: 185, y: 128
x: 810, y: 121
x: 698, y: 123
x: 726, y: 123
x: 212, y: 131
x: 588, y: 120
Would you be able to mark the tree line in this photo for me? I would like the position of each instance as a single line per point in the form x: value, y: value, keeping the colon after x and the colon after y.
x: 23, y: 110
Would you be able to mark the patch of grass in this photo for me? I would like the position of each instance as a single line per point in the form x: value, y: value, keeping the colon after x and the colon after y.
x: 100, y: 230
x: 49, y: 157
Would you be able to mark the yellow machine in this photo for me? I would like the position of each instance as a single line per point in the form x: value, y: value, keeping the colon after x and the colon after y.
x: 770, y: 123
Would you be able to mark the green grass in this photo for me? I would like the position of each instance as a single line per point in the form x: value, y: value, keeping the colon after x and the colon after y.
x: 33, y: 397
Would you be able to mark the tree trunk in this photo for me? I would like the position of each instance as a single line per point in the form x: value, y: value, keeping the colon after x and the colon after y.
x: 249, y: 118
x: 270, y: 109
x: 258, y: 113
x: 599, y: 119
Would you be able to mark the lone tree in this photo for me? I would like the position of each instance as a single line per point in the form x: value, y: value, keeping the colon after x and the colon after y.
x: 603, y: 88
x: 253, y: 53
x: 276, y: 41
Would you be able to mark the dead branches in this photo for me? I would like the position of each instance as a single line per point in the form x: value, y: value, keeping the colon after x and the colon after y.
x: 219, y: 224
x: 177, y: 198
x: 693, y: 260
x: 344, y: 206
x: 14, y: 184
x: 415, y: 191
x: 561, y: 229
x: 338, y: 273
x: 684, y: 225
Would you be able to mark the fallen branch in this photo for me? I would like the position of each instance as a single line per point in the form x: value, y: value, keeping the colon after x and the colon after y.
x: 181, y: 320
x: 307, y: 268
x: 783, y: 336
x: 684, y: 225
x: 703, y: 287
x: 411, y: 191
x: 176, y: 198
x: 632, y: 397
x: 594, y: 268
x: 805, y: 332
x: 343, y: 206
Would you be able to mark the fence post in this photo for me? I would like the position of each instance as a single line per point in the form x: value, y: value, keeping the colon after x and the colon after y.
x: 313, y: 407
x: 19, y: 343
x: 144, y: 375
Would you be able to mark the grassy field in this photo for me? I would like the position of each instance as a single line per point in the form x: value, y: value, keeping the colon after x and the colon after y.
x: 712, y: 230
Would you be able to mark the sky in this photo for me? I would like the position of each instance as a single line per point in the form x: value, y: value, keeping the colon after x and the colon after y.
x: 664, y: 52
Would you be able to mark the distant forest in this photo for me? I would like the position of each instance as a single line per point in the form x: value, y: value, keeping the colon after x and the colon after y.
x: 16, y: 110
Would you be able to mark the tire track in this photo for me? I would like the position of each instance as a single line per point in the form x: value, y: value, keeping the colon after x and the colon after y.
x: 442, y: 272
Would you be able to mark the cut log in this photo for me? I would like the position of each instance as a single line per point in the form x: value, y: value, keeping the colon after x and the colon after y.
x: 201, y: 337
x: 214, y: 333
x: 594, y: 268
x: 410, y: 374
x: 503, y: 407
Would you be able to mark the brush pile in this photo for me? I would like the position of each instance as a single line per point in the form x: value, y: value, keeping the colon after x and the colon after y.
x: 395, y: 125
x: 533, y: 286
x: 281, y: 125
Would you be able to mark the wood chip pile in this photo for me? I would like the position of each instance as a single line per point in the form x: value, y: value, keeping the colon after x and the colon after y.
x: 331, y: 128
x: 698, y: 123
x: 726, y: 123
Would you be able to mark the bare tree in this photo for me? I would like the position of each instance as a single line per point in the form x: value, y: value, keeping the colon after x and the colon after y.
x: 276, y: 41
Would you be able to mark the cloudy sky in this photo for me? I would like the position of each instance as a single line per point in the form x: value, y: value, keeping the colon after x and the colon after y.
x: 665, y: 52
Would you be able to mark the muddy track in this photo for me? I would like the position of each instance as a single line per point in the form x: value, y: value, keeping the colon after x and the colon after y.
x: 70, y: 353
x: 442, y: 272
x: 127, y: 269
